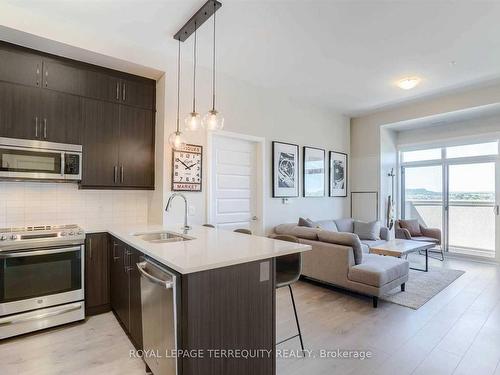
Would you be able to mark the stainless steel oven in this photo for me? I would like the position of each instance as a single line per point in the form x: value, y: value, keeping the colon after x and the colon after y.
x: 41, y: 278
x: 26, y: 159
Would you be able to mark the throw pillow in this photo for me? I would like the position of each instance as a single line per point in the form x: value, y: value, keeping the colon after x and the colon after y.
x: 367, y: 231
x: 412, y: 225
x: 306, y: 223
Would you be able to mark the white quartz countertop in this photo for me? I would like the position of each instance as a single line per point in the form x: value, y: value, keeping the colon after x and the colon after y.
x: 211, y: 248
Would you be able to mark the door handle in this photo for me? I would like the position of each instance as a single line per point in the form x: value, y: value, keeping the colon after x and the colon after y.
x: 36, y: 126
x: 38, y: 74
x: 121, y: 174
x: 255, y: 218
x: 45, y: 128
x: 117, y: 90
x: 496, y: 210
x: 90, y: 247
x: 115, y: 174
x: 167, y: 284
x: 123, y: 91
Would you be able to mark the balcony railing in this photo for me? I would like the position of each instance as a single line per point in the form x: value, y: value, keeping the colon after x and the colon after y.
x: 471, y: 224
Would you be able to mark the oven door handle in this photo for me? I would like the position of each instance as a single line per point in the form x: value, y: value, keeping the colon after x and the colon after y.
x: 27, y: 318
x: 20, y: 254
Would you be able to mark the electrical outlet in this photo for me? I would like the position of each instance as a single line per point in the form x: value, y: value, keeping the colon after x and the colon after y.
x: 191, y: 210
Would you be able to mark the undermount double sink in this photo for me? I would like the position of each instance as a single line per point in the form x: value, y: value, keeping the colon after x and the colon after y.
x: 162, y: 237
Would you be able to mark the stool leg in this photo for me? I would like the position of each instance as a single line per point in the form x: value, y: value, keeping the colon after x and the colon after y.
x: 375, y: 302
x: 403, y: 287
x: 296, y: 317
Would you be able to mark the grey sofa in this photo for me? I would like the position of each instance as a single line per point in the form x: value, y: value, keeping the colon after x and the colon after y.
x: 338, y: 257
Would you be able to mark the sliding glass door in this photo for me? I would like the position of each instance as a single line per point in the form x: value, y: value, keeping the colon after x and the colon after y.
x: 455, y: 189
x: 423, y: 195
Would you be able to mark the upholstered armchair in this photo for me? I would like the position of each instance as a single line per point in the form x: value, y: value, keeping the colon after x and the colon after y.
x: 413, y: 230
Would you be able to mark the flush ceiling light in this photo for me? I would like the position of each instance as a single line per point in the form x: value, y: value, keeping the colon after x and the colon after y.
x: 408, y: 83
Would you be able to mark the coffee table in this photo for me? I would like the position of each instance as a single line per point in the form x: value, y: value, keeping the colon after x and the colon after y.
x: 399, y: 248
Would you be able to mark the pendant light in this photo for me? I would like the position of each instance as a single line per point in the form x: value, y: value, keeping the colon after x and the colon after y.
x: 193, y: 119
x: 213, y: 120
x: 176, y: 139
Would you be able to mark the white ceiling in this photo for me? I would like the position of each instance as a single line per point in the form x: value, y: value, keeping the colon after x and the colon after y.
x: 342, y: 54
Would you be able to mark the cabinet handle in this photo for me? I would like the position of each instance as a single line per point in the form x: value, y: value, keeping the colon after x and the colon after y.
x: 121, y: 174
x: 36, y: 126
x: 114, y: 255
x: 38, y: 74
x: 123, y: 92
x: 45, y: 128
x: 115, y: 174
x: 90, y: 247
x: 46, y: 79
x: 117, y: 90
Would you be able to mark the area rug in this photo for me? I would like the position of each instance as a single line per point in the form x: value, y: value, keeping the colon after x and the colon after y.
x: 422, y: 286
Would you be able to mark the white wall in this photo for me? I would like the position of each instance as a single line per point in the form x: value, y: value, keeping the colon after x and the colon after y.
x: 253, y: 111
x: 366, y: 134
x: 478, y: 128
x: 247, y: 109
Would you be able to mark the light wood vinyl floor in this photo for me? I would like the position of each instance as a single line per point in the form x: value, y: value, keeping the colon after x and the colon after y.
x: 457, y: 332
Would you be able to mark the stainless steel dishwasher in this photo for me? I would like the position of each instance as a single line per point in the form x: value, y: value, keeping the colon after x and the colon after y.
x: 159, y: 318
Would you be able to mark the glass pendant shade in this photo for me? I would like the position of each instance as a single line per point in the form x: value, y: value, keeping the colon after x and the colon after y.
x: 192, y: 122
x: 213, y: 120
x: 176, y: 140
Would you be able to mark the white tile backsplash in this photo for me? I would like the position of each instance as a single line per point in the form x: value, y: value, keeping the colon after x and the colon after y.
x: 35, y: 203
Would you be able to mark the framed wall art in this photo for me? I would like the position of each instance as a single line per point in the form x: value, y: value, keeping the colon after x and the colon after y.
x: 285, y: 170
x: 313, y: 172
x: 338, y: 174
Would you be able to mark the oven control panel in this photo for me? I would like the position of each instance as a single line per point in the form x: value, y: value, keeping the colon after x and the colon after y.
x: 40, y: 236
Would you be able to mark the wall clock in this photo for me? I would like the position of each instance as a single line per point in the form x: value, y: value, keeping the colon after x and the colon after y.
x: 187, y: 168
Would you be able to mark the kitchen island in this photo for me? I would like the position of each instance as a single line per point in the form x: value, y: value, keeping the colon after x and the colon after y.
x: 224, y: 293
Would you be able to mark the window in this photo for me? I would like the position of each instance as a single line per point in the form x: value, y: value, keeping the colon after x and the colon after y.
x: 478, y: 149
x: 421, y: 155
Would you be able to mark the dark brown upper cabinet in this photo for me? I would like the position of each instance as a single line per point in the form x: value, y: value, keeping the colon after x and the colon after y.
x: 138, y: 93
x: 118, y: 146
x: 110, y: 113
x: 101, y: 136
x: 20, y: 115
x: 136, y: 152
x: 80, y: 80
x: 61, y: 118
x: 19, y: 66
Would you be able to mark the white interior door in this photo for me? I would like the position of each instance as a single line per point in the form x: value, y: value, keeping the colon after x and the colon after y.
x: 234, y: 187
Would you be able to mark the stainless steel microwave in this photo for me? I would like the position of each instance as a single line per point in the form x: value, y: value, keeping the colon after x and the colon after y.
x: 24, y: 159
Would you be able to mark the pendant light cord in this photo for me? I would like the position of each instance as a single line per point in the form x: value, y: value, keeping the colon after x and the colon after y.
x: 194, y: 69
x: 213, y: 71
x: 178, y: 82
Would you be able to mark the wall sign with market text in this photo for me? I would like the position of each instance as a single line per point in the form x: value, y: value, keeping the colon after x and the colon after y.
x: 187, y: 168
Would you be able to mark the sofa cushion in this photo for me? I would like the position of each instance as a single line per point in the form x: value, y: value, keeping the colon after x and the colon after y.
x: 346, y: 239
x: 295, y: 230
x: 306, y: 223
x: 345, y: 225
x: 378, y: 270
x: 327, y: 225
x: 412, y: 225
x: 367, y: 231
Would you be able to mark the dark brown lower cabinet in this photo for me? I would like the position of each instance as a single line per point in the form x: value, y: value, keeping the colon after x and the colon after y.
x: 126, y: 289
x: 223, y: 309
x: 227, y: 309
x: 96, y: 274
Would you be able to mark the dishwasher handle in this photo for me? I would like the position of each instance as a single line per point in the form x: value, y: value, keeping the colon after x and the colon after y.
x: 168, y: 284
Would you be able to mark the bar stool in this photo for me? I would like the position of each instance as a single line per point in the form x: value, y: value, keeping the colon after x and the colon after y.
x: 288, y: 269
x: 208, y: 225
x: 242, y: 230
